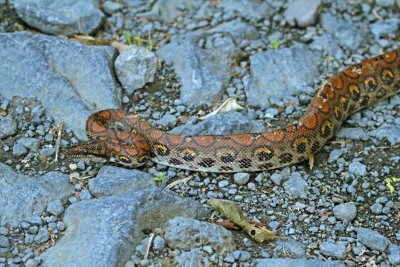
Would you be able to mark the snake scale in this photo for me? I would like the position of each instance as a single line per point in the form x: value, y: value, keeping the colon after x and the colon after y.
x: 130, y: 140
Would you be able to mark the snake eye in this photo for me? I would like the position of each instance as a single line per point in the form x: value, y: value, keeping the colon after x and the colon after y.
x: 124, y: 159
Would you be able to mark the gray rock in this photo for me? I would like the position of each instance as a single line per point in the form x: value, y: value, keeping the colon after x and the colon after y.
x: 345, y: 211
x: 357, y: 168
x: 28, y: 142
x: 332, y: 249
x: 203, y: 72
x: 70, y: 79
x: 352, y: 133
x: 385, y: 3
x: 193, y: 257
x: 296, y: 187
x: 376, y: 208
x: 346, y: 33
x: 389, y: 132
x: 112, y: 7
x: 47, y: 151
x: 297, y: 67
x: 32, y: 263
x: 167, y: 10
x: 372, y: 239
x: 394, y: 254
x: 279, y: 262
x: 184, y: 233
x: 158, y: 243
x: 4, y: 242
x: 329, y: 44
x: 42, y: 236
x: 8, y: 126
x: 292, y: 247
x: 19, y: 150
x: 65, y: 17
x: 335, y: 154
x: 55, y: 207
x: 101, y: 232
x: 135, y: 67
x: 385, y: 28
x: 23, y: 195
x: 248, y: 9
x: 114, y: 180
x: 167, y: 120
x: 4, y: 230
x: 303, y: 12
x: 238, y: 29
x: 223, y: 123
x: 241, y: 178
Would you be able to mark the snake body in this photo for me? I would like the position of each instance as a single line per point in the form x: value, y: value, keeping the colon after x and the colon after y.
x: 130, y: 140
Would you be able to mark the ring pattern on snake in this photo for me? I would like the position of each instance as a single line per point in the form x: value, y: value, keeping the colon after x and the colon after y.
x: 130, y: 140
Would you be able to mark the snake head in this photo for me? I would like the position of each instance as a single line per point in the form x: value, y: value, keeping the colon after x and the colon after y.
x: 90, y: 150
x: 128, y: 160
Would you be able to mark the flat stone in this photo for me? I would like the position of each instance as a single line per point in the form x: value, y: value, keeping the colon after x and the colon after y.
x: 297, y: 68
x: 372, y: 239
x: 291, y: 246
x: 8, y: 126
x: 303, y: 12
x: 388, y: 132
x: 4, y: 242
x: 346, y: 33
x: 345, y: 211
x: 24, y: 195
x: 279, y: 262
x: 55, y: 207
x: 248, y: 9
x: 101, y: 232
x: 394, y: 254
x: 203, y: 72
x: 167, y: 10
x: 357, y: 168
x: 19, y: 150
x: 223, y: 123
x: 355, y: 133
x: 385, y: 28
x: 114, y: 180
x: 241, y: 178
x: 135, y: 67
x: 67, y: 17
x: 296, y: 187
x: 167, y: 120
x: 183, y: 233
x: 332, y: 249
x: 238, y: 29
x: 70, y: 79
x: 193, y: 257
x: 328, y: 44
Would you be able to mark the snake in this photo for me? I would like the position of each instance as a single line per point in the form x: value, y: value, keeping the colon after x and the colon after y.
x: 129, y: 140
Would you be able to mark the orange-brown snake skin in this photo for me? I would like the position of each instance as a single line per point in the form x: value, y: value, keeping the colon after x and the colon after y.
x: 130, y: 140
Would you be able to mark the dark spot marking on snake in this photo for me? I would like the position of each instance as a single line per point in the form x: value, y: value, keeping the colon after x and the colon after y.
x: 245, y: 163
x: 206, y: 162
x: 161, y: 150
x: 285, y: 158
x: 264, y: 153
x: 175, y: 161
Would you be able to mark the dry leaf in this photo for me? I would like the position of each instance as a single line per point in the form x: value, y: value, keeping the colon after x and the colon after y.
x: 228, y: 105
x: 120, y: 46
x: 89, y: 40
x: 235, y: 214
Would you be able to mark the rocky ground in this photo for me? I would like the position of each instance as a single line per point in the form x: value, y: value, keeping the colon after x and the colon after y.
x: 270, y: 55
